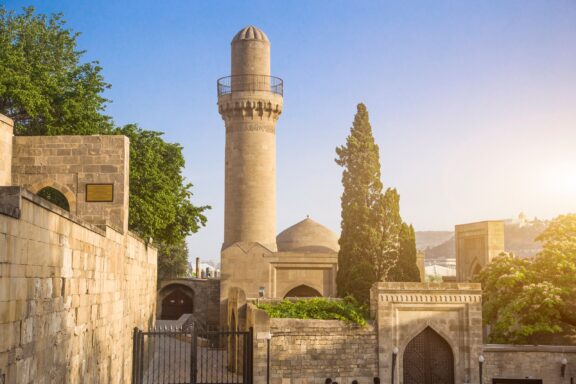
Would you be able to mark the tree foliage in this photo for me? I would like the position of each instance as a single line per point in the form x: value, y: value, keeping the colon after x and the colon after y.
x: 371, y: 238
x: 526, y: 299
x: 44, y: 86
x: 160, y: 204
x: 47, y: 90
x: 406, y: 269
x: 173, y: 260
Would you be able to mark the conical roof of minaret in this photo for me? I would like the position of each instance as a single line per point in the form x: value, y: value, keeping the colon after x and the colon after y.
x: 251, y: 33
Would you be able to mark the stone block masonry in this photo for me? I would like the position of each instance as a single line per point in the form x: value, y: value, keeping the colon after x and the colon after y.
x: 542, y: 362
x: 70, y: 294
x: 305, y: 351
x: 308, y: 351
x: 68, y: 164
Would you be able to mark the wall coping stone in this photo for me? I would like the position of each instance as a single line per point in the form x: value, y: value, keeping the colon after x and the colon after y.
x: 11, y: 205
x: 528, y: 348
x: 6, y: 119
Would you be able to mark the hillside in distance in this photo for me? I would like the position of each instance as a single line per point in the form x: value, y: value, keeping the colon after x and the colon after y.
x: 519, y: 238
x: 428, y: 239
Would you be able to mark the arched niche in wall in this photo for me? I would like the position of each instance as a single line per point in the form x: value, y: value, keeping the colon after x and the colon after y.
x: 55, y: 197
x: 176, y: 300
x: 303, y: 291
x: 50, y: 188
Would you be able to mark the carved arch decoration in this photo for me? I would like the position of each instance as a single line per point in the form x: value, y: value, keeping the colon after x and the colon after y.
x: 475, y: 268
x: 63, y: 189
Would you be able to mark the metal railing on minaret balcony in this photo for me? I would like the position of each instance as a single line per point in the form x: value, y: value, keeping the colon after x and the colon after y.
x: 250, y: 83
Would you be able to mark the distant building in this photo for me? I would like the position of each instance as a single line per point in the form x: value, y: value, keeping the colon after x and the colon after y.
x: 476, y: 245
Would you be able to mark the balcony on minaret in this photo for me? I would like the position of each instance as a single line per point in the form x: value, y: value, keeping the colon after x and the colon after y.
x: 250, y: 83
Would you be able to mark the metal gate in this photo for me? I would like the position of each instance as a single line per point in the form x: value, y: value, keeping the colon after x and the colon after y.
x: 428, y: 359
x: 192, y: 356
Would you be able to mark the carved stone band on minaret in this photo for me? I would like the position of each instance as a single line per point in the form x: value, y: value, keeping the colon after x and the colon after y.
x: 231, y: 107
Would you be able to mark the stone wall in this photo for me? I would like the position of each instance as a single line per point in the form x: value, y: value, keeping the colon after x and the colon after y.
x: 70, y: 294
x: 529, y: 361
x: 68, y: 164
x: 309, y: 351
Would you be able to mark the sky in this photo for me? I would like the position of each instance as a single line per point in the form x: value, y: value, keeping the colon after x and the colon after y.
x: 472, y: 103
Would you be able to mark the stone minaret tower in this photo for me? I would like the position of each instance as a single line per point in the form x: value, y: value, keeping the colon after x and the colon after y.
x: 250, y: 102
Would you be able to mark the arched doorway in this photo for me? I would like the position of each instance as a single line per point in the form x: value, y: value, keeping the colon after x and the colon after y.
x: 178, y: 300
x: 428, y: 359
x: 55, y: 197
x: 303, y: 291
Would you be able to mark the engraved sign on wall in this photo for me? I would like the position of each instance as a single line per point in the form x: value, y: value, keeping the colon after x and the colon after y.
x: 99, y: 193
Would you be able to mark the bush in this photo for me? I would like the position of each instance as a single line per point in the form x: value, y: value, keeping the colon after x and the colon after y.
x: 347, y: 310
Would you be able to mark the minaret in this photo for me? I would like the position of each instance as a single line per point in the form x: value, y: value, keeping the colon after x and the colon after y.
x: 250, y: 102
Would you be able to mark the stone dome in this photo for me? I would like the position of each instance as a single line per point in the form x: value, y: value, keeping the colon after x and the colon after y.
x: 307, y: 236
x: 250, y: 33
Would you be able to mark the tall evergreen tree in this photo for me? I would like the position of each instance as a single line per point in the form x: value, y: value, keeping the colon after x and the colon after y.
x: 375, y: 245
x: 406, y: 268
x: 362, y: 207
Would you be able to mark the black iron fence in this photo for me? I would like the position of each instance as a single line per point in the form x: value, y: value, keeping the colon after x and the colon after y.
x: 243, y: 83
x: 192, y: 356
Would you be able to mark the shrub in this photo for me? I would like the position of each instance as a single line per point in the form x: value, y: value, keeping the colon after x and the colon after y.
x: 320, y: 308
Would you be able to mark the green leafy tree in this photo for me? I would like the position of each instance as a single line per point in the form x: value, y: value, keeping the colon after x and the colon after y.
x: 173, y: 260
x: 372, y: 240
x: 44, y: 86
x: 160, y: 206
x: 525, y: 300
x: 47, y: 90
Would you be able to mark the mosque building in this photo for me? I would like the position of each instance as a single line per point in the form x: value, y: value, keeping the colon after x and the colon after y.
x: 302, y: 260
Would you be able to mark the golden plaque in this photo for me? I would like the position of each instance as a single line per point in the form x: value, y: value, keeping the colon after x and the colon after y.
x: 99, y: 193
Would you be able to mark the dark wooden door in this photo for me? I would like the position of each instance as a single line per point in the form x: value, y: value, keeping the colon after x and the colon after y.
x: 428, y: 359
x: 176, y: 304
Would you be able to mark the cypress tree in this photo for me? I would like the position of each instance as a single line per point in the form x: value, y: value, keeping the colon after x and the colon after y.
x: 375, y: 245
x: 362, y: 206
x: 406, y: 268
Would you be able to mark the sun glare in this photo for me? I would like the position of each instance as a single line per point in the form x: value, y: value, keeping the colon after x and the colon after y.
x: 560, y: 179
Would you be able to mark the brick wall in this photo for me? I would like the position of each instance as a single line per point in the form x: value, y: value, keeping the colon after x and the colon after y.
x: 70, y: 295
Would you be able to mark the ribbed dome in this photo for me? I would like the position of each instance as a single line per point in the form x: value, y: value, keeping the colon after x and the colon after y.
x: 250, y: 33
x: 307, y: 236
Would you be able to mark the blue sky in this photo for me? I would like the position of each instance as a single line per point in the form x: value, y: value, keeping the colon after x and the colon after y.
x: 473, y: 103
